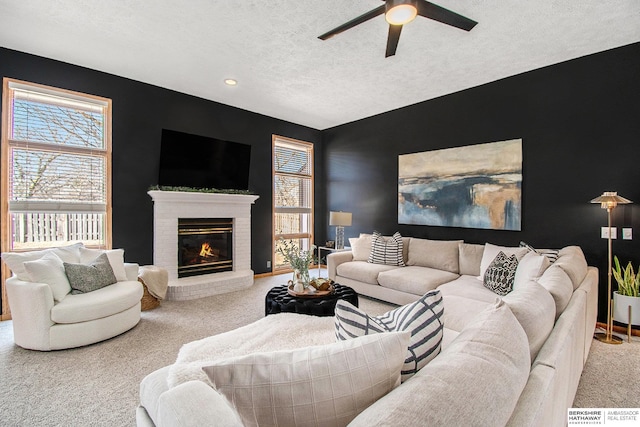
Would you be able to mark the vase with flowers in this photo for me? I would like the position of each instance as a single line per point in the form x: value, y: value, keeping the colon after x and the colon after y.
x: 299, y: 260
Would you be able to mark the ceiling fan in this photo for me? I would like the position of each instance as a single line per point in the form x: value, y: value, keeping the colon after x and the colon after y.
x: 399, y: 12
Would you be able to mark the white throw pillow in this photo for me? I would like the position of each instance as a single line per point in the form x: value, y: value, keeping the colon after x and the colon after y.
x: 361, y: 247
x: 530, y: 267
x: 15, y: 260
x: 116, y: 259
x: 324, y: 385
x: 50, y: 270
x: 422, y: 318
x: 69, y: 253
x: 491, y: 252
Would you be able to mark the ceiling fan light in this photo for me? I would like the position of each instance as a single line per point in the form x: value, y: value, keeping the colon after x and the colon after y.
x: 401, y: 12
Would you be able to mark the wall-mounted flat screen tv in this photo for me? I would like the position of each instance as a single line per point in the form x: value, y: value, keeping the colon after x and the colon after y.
x: 196, y: 161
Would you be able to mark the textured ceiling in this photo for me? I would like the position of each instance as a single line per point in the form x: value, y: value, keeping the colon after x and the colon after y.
x: 285, y: 71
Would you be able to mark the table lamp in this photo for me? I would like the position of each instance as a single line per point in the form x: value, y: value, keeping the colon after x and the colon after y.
x: 340, y: 220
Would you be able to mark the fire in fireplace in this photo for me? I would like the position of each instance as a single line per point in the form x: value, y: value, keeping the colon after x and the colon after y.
x: 204, y: 246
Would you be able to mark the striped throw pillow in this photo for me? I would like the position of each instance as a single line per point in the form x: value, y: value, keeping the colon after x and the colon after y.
x: 551, y: 254
x: 386, y: 250
x: 422, y: 318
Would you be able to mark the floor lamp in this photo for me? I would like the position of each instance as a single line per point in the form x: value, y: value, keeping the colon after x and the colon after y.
x: 609, y: 200
x: 340, y: 220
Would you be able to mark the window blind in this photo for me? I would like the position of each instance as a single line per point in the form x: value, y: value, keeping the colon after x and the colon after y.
x: 57, y: 150
x: 293, y: 176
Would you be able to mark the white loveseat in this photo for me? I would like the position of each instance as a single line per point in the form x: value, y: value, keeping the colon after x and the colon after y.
x: 514, y: 360
x: 47, y: 316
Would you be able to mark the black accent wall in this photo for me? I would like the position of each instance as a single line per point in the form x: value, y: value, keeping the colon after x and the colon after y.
x: 140, y: 112
x: 580, y: 126
x: 579, y: 122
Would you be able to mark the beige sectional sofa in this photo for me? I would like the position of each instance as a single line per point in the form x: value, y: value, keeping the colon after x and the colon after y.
x: 514, y: 360
x: 556, y: 305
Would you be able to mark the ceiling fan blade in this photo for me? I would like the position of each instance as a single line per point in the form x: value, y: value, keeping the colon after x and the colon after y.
x: 356, y: 21
x: 440, y: 14
x: 392, y: 39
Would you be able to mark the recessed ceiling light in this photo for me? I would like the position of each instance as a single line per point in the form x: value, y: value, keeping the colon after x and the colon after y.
x: 230, y: 82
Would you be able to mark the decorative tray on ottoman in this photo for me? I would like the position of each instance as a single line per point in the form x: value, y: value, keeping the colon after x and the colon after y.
x: 311, y: 292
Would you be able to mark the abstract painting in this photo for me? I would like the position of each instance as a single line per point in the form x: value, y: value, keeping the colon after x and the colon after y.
x: 475, y: 186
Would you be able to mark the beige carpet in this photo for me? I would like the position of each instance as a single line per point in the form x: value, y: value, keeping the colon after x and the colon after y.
x: 98, y: 385
x: 611, y: 377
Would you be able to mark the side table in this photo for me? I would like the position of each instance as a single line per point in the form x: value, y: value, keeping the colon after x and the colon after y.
x: 278, y: 300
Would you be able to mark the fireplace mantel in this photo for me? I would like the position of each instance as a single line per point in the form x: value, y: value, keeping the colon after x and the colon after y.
x: 195, y: 197
x: 171, y: 205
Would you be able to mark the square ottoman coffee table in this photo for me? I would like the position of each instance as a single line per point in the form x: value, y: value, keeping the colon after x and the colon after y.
x: 278, y: 300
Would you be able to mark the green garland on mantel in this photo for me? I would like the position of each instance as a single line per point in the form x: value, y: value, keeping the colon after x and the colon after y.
x: 199, y: 190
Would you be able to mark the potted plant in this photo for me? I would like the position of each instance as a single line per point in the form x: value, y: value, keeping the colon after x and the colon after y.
x: 299, y: 260
x: 627, y: 295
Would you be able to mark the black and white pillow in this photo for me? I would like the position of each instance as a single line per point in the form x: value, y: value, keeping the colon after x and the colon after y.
x: 422, y: 318
x: 551, y: 254
x: 501, y: 274
x: 386, y: 250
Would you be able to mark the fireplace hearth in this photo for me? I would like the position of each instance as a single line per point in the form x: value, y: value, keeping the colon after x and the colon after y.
x: 204, y: 246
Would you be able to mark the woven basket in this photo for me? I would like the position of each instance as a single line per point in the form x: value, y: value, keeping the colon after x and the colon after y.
x: 148, y: 301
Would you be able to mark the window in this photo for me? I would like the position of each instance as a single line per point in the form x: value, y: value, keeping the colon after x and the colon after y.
x: 292, y: 195
x: 56, y: 167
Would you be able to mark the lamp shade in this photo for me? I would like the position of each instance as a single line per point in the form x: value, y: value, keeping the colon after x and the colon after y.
x: 610, y: 199
x: 342, y: 219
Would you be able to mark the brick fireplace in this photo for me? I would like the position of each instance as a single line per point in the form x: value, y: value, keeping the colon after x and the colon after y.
x: 174, y: 207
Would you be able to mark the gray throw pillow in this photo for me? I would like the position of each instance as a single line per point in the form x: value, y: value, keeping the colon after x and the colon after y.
x: 86, y: 278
